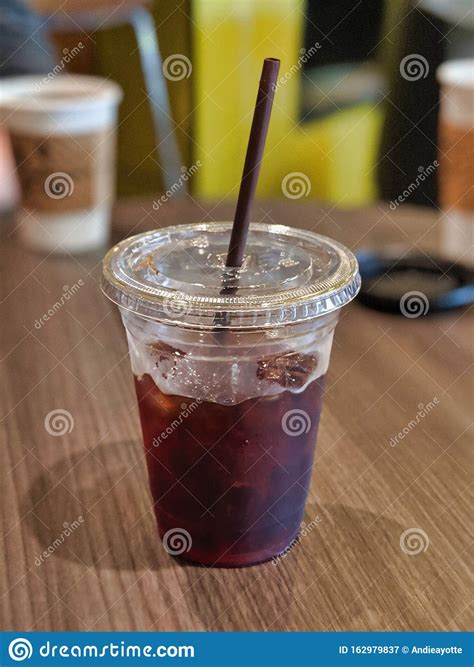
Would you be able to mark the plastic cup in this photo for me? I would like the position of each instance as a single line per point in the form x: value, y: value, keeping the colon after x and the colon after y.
x: 229, y: 412
x: 62, y: 131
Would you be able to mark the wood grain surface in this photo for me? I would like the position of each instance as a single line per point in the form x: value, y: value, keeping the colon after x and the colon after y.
x: 79, y: 545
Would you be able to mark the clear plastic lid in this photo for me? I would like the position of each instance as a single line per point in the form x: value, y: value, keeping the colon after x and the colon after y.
x: 177, y: 276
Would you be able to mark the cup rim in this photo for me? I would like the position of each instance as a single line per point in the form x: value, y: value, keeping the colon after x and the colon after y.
x: 457, y: 73
x: 24, y: 92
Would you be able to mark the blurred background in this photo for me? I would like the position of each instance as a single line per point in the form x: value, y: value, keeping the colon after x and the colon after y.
x: 364, y: 146
x: 347, y: 114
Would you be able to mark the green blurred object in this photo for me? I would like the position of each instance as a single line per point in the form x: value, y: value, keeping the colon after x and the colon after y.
x: 116, y: 56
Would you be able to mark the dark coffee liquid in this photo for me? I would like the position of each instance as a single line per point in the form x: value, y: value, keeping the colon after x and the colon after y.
x: 235, y: 477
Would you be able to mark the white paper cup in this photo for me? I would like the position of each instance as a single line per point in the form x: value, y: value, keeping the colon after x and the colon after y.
x: 456, y: 144
x: 456, y: 78
x: 62, y: 131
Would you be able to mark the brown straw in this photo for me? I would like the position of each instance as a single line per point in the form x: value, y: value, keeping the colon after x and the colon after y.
x: 248, y: 184
x: 253, y: 160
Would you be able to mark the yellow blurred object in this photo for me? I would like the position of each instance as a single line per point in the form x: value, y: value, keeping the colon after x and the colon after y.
x: 337, y: 153
x: 230, y: 43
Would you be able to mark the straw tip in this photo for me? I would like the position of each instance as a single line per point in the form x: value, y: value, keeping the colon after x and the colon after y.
x: 270, y: 67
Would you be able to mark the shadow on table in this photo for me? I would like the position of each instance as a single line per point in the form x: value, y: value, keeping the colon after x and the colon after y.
x: 346, y: 572
x: 93, y: 508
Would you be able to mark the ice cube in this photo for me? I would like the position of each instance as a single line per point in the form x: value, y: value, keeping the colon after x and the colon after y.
x: 290, y: 370
x: 163, y: 351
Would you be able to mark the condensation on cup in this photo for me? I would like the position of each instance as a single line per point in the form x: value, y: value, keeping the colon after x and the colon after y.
x: 62, y: 131
x: 456, y: 150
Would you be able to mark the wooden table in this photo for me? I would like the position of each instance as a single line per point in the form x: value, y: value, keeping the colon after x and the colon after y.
x: 82, y: 497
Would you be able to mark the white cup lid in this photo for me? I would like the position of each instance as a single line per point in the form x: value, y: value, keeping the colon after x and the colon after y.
x: 457, y: 73
x: 62, y: 92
